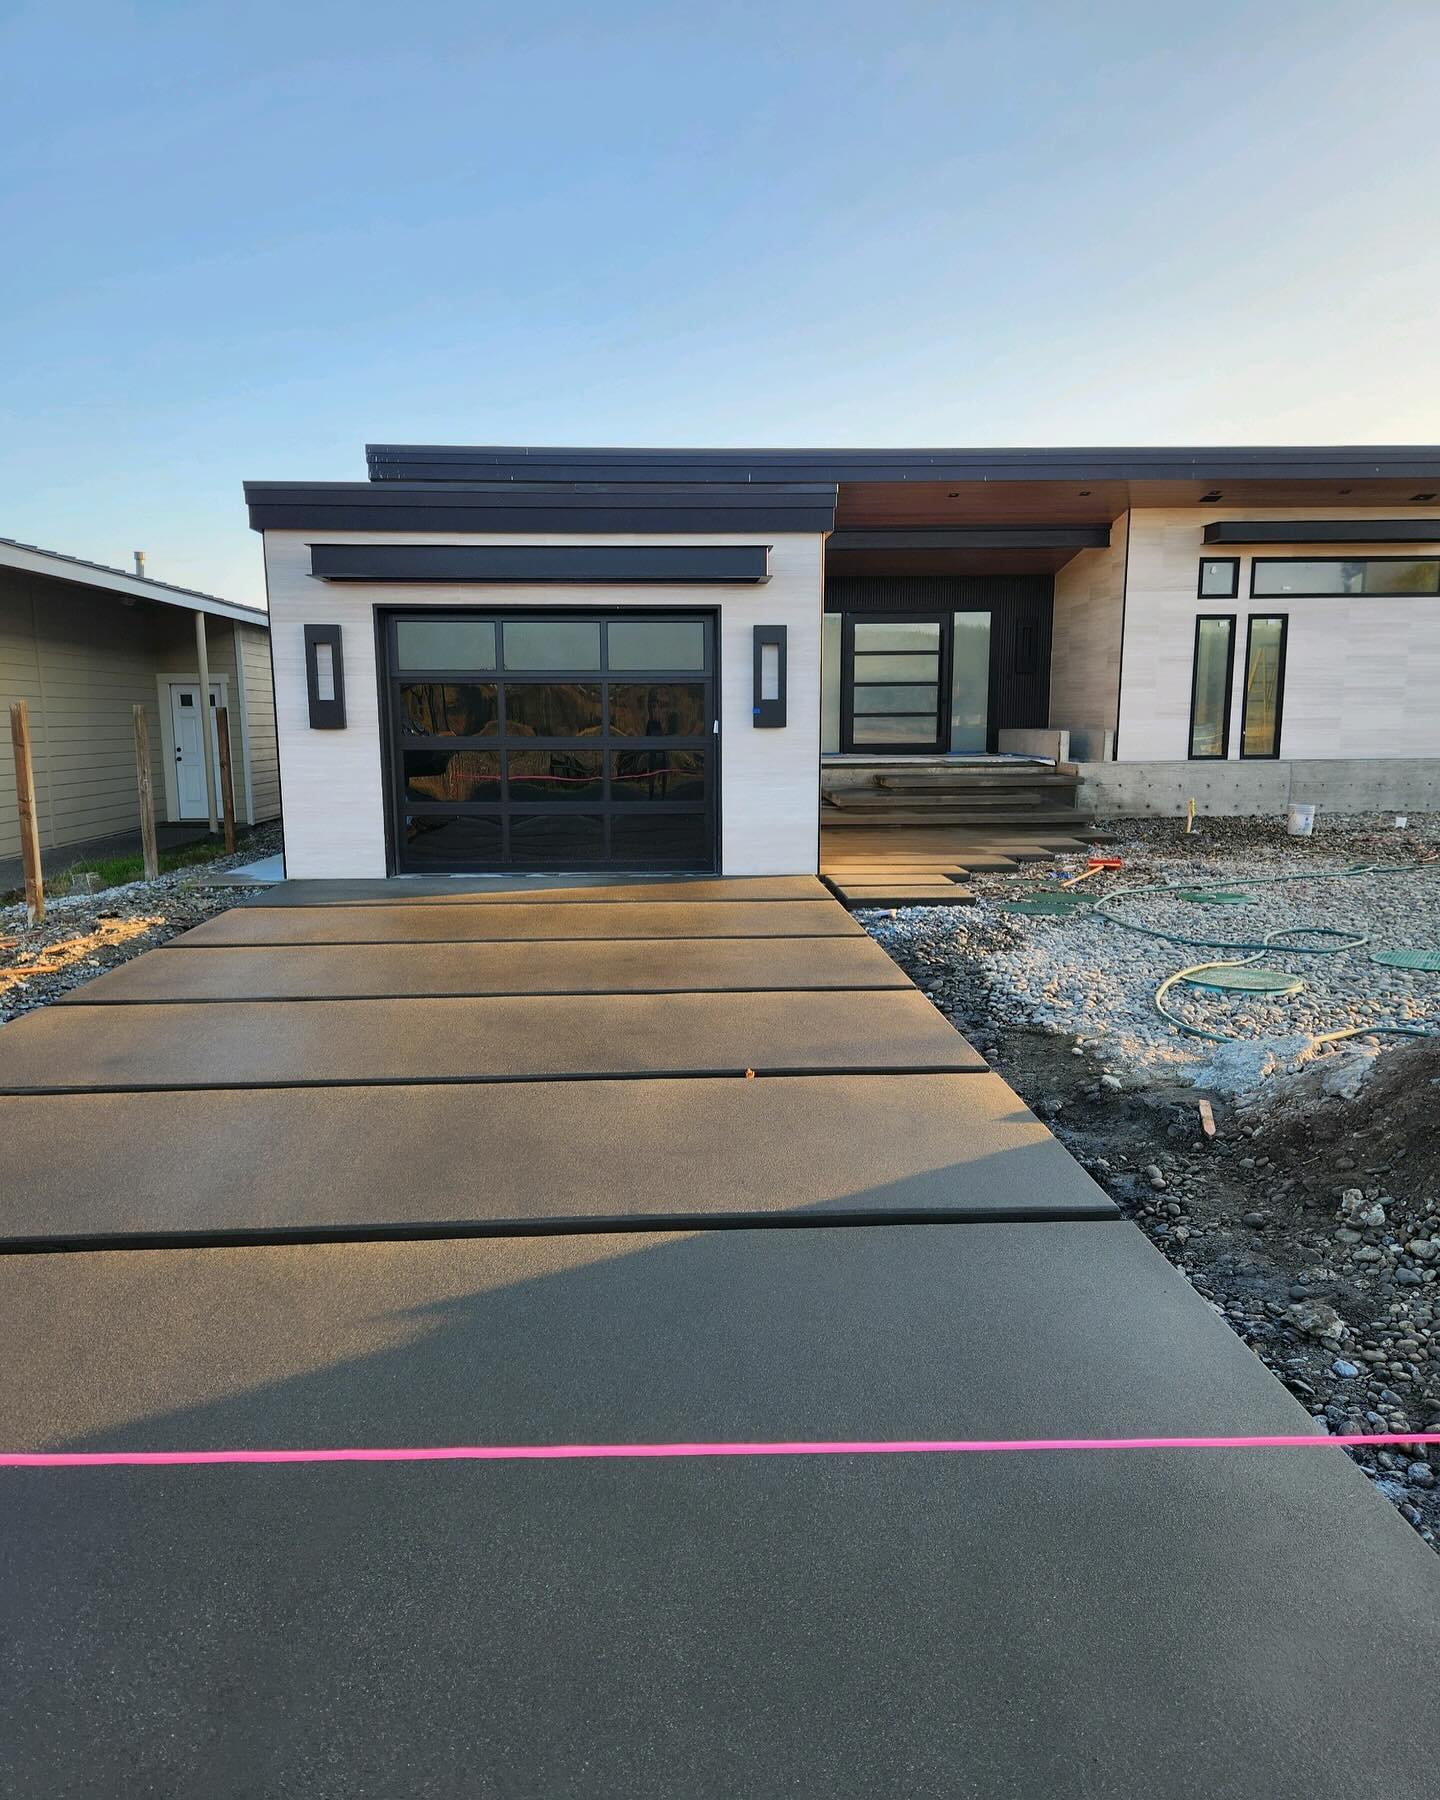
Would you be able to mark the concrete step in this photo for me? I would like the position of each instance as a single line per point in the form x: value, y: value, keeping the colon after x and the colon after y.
x: 969, y: 815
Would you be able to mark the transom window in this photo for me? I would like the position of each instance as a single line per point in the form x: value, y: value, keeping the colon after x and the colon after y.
x: 1316, y: 577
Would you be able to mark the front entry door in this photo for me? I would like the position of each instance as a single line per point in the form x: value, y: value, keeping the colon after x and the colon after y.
x: 895, y: 690
x: 191, y: 798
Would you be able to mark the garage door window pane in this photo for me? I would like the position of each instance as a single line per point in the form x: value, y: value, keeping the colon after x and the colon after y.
x: 642, y: 776
x: 433, y: 841
x: 657, y: 709
x: 660, y: 840
x: 657, y: 644
x: 443, y: 709
x: 552, y: 709
x: 552, y: 644
x: 553, y: 840
x: 460, y: 776
x: 445, y: 643
x: 547, y: 775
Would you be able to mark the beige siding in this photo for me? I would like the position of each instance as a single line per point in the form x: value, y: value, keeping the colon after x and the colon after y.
x: 253, y: 646
x: 1085, y: 657
x: 1362, y: 675
x: 83, y: 662
x: 334, y: 781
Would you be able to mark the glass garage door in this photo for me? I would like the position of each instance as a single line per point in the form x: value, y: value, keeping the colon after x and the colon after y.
x: 552, y: 740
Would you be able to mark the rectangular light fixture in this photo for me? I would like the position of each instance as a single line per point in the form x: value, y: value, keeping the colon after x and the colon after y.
x: 769, y: 708
x: 325, y: 677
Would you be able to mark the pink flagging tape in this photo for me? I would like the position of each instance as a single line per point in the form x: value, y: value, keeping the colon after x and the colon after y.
x: 111, y: 1459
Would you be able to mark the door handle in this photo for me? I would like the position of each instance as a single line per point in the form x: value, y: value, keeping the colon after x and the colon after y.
x: 179, y: 757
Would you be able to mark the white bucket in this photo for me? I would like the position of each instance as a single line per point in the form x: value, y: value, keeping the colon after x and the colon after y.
x: 1299, y: 820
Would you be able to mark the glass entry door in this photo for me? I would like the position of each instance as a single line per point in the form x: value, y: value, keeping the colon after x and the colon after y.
x: 894, y: 684
x: 552, y: 740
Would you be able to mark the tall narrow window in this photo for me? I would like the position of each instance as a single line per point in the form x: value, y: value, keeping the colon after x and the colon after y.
x: 1264, y: 685
x: 1210, y: 688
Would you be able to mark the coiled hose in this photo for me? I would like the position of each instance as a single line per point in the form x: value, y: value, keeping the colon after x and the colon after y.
x: 1255, y: 948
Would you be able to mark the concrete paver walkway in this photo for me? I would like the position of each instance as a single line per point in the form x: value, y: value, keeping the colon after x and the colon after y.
x: 579, y: 1187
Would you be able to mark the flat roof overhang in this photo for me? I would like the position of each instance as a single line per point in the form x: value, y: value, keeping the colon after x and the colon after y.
x: 915, y: 489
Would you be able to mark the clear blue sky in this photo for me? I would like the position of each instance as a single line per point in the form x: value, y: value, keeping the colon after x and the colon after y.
x: 240, y: 240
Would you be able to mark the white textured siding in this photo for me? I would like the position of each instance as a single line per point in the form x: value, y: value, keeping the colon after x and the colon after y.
x: 1362, y: 674
x: 1085, y: 653
x: 334, y: 780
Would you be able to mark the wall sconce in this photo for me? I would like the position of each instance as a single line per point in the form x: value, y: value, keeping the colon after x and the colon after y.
x: 325, y: 677
x: 769, y: 677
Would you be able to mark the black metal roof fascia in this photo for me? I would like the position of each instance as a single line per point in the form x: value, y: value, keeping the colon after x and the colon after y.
x: 409, y: 462
x: 363, y: 506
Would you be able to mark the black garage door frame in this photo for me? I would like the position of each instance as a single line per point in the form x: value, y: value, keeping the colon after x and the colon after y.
x: 398, y: 736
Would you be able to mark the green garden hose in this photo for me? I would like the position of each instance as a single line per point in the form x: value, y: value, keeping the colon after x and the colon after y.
x: 1254, y: 949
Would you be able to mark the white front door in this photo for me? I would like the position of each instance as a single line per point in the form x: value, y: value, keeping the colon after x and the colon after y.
x: 189, y: 757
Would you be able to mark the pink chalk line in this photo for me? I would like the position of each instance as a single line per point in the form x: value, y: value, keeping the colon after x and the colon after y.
x: 111, y: 1459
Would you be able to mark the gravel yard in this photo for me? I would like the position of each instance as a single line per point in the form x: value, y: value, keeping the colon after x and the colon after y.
x: 1089, y: 976
x: 83, y: 935
x: 1306, y: 1205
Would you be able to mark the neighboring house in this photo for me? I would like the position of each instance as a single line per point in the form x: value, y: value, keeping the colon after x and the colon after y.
x: 83, y: 645
x: 531, y: 658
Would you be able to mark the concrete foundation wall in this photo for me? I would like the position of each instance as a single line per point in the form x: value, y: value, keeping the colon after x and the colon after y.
x: 1259, y: 789
x: 1054, y: 744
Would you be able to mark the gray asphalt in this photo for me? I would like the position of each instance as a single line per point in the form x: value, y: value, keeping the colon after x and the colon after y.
x: 1102, y: 1624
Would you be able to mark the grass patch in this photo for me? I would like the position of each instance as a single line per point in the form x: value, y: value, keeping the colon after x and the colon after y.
x: 115, y: 871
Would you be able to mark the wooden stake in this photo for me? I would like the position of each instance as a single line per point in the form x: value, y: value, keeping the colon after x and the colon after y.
x: 148, y: 848
x: 29, y: 821
x: 227, y: 786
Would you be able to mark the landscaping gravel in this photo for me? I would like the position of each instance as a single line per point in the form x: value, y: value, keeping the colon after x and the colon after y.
x: 1088, y: 975
x: 1300, y: 1196
x: 83, y: 935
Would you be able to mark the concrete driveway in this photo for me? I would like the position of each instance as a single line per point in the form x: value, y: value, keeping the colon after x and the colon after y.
x: 554, y: 1164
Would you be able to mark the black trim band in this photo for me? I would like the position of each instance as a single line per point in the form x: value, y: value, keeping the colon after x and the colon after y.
x: 631, y: 564
x: 1324, y: 531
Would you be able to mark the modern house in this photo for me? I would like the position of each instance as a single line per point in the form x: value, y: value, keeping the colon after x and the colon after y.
x: 497, y: 658
x: 83, y: 645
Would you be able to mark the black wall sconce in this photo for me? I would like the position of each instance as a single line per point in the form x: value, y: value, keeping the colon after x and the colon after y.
x: 325, y: 677
x: 769, y: 677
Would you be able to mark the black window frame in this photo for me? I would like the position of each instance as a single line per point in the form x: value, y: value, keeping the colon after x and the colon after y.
x: 1230, y: 619
x: 506, y: 808
x: 1234, y: 593
x: 1259, y: 562
x: 1265, y: 755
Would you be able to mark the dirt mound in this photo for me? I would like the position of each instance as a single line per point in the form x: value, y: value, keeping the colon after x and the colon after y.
x: 1387, y: 1135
